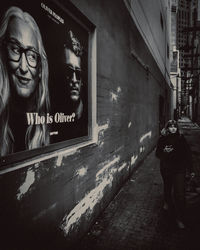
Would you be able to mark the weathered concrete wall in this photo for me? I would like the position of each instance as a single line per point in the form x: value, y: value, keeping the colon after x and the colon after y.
x: 153, y: 19
x: 65, y: 191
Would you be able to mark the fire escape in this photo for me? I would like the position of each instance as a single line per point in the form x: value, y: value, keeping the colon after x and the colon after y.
x: 190, y: 73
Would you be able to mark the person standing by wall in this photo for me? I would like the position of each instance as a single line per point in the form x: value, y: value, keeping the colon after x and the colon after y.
x: 175, y: 159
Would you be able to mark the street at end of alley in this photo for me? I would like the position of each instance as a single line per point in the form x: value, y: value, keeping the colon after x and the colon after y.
x: 135, y: 219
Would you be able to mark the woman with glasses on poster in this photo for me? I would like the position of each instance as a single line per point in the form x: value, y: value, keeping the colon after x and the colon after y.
x: 23, y: 83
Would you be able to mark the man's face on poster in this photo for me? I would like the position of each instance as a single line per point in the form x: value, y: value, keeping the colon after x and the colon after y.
x: 23, y: 58
x: 72, y: 67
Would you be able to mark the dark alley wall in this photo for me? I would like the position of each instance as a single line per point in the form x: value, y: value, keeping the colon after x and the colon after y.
x: 65, y: 190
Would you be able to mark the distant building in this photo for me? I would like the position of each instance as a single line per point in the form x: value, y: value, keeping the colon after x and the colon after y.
x: 188, y: 46
x: 195, y: 60
x: 183, y: 20
x: 174, y: 61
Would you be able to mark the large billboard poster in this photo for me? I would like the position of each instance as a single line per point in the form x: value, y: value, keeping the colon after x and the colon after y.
x: 44, y: 76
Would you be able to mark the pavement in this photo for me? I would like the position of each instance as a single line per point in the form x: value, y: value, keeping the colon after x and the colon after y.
x: 135, y: 219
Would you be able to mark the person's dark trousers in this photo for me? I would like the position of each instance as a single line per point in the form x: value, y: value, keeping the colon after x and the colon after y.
x: 174, y: 182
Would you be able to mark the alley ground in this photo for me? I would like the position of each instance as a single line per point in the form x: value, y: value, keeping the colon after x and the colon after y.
x: 135, y: 220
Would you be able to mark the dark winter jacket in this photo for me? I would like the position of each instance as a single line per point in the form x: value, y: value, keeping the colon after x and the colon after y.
x: 179, y: 159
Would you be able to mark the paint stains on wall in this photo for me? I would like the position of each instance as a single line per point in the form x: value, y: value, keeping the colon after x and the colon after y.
x: 133, y: 159
x: 147, y: 135
x: 106, y: 169
x: 29, y: 180
x: 81, y: 172
x: 85, y: 207
x: 123, y: 166
x: 102, y: 128
x: 142, y: 139
x: 64, y: 154
x: 114, y: 96
x: 119, y: 90
x: 130, y: 124
x: 59, y: 161
x: 100, y: 133
x: 142, y: 149
x: 36, y: 165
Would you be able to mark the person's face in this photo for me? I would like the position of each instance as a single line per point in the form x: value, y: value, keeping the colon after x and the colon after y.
x: 72, y: 69
x: 24, y: 73
x: 172, y: 129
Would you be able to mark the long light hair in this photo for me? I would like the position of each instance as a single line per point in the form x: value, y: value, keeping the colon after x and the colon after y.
x: 165, y: 130
x: 36, y: 135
